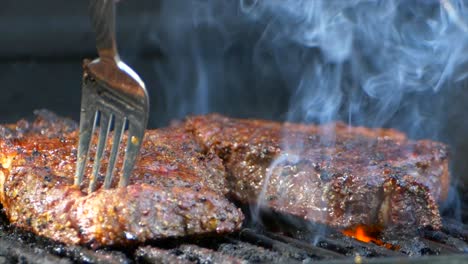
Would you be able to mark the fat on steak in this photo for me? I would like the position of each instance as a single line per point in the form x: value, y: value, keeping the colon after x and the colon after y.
x: 177, y: 189
x: 332, y: 174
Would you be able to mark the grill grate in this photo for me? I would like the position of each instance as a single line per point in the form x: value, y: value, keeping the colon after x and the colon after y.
x: 277, y: 242
x: 251, y: 245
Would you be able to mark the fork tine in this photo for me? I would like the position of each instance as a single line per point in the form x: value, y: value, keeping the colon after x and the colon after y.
x: 88, y: 118
x: 119, y: 127
x: 104, y: 130
x: 135, y: 137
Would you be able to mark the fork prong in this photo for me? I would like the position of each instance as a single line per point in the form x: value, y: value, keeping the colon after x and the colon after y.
x: 119, y: 127
x: 135, y: 137
x: 103, y: 131
x: 88, y: 118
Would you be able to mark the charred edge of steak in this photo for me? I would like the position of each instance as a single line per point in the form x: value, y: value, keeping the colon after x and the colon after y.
x: 45, y: 123
x: 408, y: 204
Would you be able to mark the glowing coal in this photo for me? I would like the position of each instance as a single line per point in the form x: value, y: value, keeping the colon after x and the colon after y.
x: 368, y: 234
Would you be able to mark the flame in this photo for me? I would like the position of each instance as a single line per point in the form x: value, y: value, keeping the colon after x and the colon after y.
x: 368, y: 234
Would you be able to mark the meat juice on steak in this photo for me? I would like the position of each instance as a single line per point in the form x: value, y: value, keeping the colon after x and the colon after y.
x: 333, y: 174
x: 176, y: 189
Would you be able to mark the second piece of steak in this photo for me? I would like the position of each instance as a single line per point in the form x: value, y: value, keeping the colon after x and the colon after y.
x: 176, y: 189
x: 332, y: 174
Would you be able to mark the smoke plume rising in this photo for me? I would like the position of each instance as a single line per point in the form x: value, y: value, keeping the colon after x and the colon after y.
x: 389, y: 63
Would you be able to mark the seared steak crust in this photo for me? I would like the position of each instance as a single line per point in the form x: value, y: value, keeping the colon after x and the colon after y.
x: 333, y: 174
x: 176, y: 188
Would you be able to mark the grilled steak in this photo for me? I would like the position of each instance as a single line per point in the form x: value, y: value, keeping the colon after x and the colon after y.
x: 333, y: 174
x: 176, y: 189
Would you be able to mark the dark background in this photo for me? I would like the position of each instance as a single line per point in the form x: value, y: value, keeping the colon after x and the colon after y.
x: 42, y: 45
x: 189, y: 64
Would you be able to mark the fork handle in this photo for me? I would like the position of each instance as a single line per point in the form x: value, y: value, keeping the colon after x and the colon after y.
x: 103, y: 20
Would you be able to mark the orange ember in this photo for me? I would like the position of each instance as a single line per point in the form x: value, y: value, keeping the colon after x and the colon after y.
x: 368, y: 234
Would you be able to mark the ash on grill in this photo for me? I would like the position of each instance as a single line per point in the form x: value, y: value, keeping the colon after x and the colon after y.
x: 277, y: 242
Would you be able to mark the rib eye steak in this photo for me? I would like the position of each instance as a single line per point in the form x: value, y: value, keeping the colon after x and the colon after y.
x: 332, y: 174
x: 176, y: 188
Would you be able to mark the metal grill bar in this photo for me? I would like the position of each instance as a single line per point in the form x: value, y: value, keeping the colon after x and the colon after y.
x: 439, y: 247
x: 250, y: 245
x: 307, y: 246
x: 83, y: 255
x: 14, y: 252
x: 312, y: 251
x: 449, y: 259
x: 446, y: 239
x: 456, y: 229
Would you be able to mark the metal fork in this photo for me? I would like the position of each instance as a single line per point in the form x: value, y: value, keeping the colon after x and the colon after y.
x: 112, y: 93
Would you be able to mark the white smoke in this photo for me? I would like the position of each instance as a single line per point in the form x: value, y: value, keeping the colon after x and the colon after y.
x: 366, y: 53
x: 373, y: 63
x: 385, y: 63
